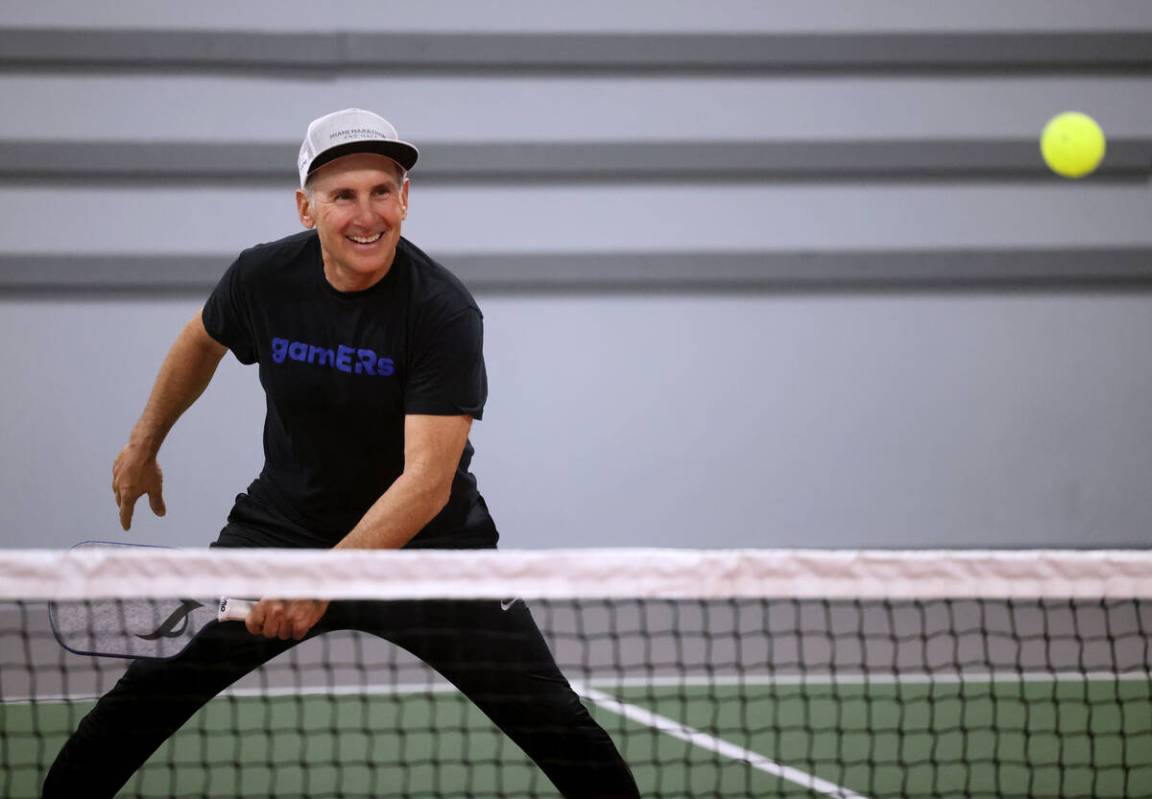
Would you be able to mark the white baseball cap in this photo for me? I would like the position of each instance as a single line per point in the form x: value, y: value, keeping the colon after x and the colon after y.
x: 352, y: 130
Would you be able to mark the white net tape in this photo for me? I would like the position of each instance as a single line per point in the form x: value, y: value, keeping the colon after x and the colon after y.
x: 554, y: 574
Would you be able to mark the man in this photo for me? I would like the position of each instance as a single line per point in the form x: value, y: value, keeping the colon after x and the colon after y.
x: 370, y: 354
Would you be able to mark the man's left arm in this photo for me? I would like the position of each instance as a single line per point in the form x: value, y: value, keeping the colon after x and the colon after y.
x: 433, y: 446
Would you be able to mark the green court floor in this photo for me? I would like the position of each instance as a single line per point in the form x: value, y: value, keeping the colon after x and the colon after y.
x: 991, y: 739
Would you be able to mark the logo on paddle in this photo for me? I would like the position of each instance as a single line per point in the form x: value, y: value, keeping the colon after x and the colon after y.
x: 175, y: 625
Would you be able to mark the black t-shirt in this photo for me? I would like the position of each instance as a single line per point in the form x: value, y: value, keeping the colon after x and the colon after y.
x: 340, y: 371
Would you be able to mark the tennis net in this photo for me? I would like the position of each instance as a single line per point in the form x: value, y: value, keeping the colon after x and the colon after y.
x: 859, y: 675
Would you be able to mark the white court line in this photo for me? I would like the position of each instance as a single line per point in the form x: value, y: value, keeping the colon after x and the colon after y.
x: 753, y: 680
x: 713, y: 744
x: 683, y: 681
x: 280, y: 692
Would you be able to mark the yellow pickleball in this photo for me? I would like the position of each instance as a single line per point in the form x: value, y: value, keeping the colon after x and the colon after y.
x: 1072, y: 144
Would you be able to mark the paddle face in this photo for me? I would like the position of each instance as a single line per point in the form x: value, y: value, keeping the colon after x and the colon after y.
x: 136, y: 628
x: 130, y: 628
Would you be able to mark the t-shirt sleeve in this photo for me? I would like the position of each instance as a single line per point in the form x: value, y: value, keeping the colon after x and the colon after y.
x: 227, y: 318
x: 448, y: 376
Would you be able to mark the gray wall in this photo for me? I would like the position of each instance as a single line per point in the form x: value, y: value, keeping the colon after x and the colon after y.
x: 787, y: 275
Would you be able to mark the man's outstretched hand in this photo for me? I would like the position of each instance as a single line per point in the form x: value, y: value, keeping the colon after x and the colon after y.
x: 135, y: 472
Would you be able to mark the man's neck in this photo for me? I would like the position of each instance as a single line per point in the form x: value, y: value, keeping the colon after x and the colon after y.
x: 344, y: 279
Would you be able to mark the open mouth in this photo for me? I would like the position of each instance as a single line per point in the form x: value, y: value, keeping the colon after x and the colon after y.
x: 365, y: 240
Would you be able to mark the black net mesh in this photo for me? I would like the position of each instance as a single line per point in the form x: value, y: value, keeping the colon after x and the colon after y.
x: 720, y: 697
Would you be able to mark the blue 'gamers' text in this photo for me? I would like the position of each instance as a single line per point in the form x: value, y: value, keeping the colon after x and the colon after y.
x: 353, y: 360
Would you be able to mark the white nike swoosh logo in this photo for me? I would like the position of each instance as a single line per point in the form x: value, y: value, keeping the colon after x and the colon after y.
x: 507, y: 603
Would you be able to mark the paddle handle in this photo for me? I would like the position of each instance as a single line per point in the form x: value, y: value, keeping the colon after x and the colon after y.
x: 232, y: 609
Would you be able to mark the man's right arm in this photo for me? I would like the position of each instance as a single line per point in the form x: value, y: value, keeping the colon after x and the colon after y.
x: 183, y: 377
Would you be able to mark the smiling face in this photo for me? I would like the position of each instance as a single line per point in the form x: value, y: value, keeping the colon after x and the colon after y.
x: 356, y: 203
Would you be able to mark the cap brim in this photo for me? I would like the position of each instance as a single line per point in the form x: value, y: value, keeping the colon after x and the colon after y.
x: 401, y: 152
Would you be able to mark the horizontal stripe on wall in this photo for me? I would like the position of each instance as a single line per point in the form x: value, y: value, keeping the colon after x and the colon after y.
x: 449, y: 160
x: 918, y: 50
x: 656, y: 271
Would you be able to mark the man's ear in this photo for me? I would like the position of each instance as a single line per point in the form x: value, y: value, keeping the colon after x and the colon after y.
x: 304, y: 209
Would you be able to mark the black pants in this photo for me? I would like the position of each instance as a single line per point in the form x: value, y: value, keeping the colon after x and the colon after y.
x: 496, y: 657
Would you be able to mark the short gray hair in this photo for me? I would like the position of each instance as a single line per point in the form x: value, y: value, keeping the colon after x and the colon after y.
x: 401, y: 176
